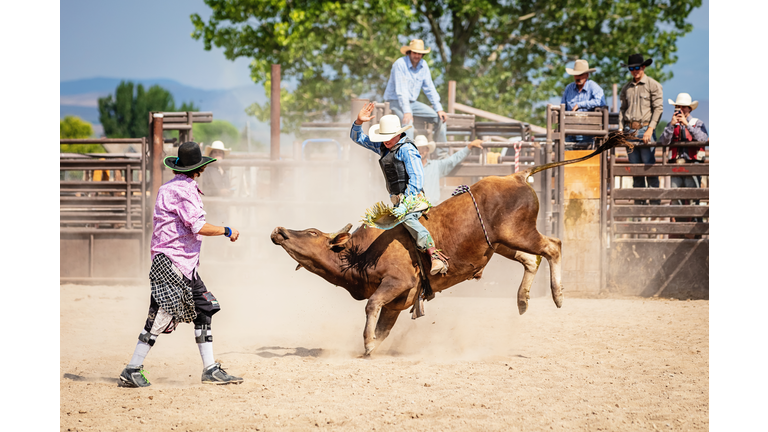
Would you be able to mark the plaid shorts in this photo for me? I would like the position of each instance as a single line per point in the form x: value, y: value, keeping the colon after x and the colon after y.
x: 170, y: 290
x: 177, y: 292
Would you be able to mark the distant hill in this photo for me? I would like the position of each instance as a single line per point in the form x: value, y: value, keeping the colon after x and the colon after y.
x: 80, y: 98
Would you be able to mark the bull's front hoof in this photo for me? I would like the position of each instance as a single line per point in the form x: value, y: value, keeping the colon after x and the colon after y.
x: 558, y: 300
x: 522, y: 306
x: 368, y: 350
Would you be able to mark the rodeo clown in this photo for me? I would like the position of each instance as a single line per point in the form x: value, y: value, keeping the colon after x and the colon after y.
x: 178, y: 293
x: 403, y: 173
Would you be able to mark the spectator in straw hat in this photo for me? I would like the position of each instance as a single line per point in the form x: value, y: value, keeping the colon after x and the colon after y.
x: 217, y: 182
x: 409, y: 75
x: 404, y: 176
x: 685, y: 128
x: 582, y: 94
x: 178, y: 293
x: 434, y: 170
x: 641, y: 106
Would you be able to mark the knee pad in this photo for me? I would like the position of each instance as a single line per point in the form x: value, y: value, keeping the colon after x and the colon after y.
x: 205, y: 333
x: 147, y: 338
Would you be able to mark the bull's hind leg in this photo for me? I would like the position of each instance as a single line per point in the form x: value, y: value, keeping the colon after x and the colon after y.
x: 530, y: 263
x: 552, y: 252
x: 548, y: 247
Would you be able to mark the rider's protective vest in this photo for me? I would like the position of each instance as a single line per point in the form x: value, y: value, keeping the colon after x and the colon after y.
x: 395, y: 175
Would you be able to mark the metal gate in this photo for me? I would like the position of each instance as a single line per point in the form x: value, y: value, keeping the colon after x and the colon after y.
x: 103, y: 214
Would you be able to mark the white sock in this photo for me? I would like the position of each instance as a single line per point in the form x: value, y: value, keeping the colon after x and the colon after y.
x: 140, y: 352
x: 206, y: 350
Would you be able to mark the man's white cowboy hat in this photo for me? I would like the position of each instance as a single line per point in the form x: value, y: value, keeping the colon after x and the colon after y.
x: 216, y: 145
x: 416, y: 45
x: 580, y: 67
x: 388, y: 128
x: 684, y: 99
x: 421, y: 141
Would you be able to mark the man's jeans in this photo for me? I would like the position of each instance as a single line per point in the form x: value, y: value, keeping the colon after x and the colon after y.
x: 425, y: 112
x: 418, y: 232
x: 645, y: 155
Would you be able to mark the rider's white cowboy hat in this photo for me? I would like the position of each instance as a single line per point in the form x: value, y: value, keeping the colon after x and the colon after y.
x: 684, y: 99
x: 388, y: 128
x: 416, y: 45
x: 216, y: 145
x: 580, y: 67
x: 421, y: 141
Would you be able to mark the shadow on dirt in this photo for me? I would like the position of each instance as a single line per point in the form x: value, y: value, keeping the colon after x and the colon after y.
x: 81, y: 378
x: 276, y: 351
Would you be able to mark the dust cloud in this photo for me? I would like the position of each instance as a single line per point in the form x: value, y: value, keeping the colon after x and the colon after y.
x: 265, y: 303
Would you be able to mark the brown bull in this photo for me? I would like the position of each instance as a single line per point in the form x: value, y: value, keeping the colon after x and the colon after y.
x: 382, y: 266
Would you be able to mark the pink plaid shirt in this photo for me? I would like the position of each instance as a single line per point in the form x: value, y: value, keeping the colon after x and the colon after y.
x: 178, y: 217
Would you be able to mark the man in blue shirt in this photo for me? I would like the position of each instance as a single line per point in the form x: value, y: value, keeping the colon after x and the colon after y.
x: 410, y: 74
x: 401, y: 165
x: 582, y: 94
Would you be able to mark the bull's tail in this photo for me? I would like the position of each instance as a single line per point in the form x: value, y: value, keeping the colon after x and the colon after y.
x: 614, y: 139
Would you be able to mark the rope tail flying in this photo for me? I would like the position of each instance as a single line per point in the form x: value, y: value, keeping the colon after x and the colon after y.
x: 614, y: 139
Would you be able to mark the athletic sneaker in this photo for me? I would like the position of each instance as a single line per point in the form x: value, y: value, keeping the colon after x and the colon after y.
x: 133, y: 377
x: 214, y: 374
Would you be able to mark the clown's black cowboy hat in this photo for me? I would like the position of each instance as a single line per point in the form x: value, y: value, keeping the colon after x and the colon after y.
x: 189, y: 158
x: 637, y: 60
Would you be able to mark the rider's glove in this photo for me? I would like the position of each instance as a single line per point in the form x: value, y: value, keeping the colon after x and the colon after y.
x: 400, y: 210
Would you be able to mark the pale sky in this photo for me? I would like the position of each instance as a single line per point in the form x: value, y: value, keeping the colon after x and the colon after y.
x: 151, y: 39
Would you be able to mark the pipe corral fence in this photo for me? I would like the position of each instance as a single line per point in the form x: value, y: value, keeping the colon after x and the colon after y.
x: 609, y: 243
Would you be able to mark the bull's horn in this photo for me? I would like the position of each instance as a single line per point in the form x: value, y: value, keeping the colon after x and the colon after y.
x: 346, y: 229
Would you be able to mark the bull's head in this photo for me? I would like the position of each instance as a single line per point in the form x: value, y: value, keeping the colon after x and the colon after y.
x: 311, y: 248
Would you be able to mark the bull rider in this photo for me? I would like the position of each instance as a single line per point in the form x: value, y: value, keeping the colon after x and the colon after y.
x: 404, y: 177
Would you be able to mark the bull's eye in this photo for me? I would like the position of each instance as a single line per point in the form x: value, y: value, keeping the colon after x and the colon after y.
x: 313, y: 233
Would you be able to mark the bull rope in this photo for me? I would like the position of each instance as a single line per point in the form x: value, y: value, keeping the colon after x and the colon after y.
x: 464, y: 188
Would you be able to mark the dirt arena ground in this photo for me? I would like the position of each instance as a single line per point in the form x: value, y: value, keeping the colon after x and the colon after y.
x: 472, y: 363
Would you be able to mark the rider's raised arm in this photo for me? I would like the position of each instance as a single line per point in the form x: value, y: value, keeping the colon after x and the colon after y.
x: 361, y: 139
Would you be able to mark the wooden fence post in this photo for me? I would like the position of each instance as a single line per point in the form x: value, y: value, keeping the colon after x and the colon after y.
x: 274, y: 149
x: 157, y: 155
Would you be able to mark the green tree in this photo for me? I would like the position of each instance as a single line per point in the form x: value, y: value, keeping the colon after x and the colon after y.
x: 126, y: 114
x: 217, y: 130
x: 73, y: 127
x: 507, y: 57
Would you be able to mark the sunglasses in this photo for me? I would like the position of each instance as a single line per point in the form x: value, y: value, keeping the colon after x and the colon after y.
x: 634, y: 68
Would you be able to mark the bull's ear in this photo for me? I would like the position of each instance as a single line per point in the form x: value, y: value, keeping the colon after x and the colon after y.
x: 339, y: 240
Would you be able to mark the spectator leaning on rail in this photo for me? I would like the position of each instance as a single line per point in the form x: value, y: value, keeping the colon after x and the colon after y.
x: 178, y: 293
x: 436, y: 169
x: 403, y: 173
x: 641, y: 107
x: 216, y: 182
x: 582, y: 94
x: 684, y: 128
x: 409, y: 75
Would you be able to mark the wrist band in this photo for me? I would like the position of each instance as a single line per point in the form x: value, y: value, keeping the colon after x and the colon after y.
x: 227, y: 232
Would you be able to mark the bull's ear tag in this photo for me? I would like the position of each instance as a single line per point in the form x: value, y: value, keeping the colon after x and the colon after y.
x: 340, y: 239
